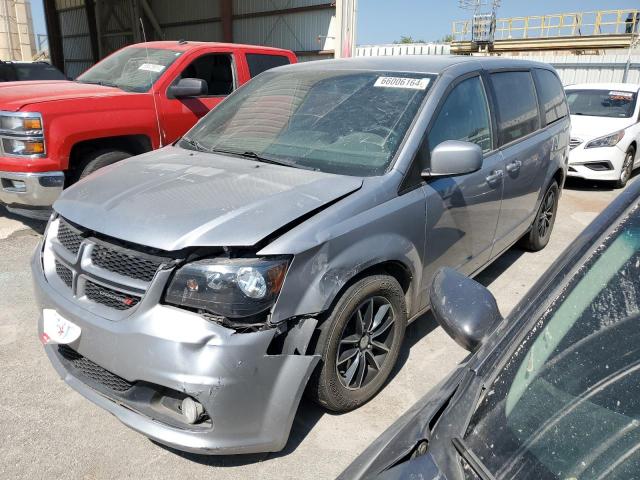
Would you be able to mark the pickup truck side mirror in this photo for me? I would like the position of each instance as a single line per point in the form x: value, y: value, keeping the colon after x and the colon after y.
x: 188, y: 87
x: 465, y: 309
x: 454, y: 157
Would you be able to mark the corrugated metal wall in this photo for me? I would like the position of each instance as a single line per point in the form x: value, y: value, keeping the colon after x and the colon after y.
x: 403, y: 49
x: 592, y: 68
x: 76, y: 45
x: 200, y: 19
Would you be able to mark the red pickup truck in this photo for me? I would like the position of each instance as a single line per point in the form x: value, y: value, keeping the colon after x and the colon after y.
x: 53, y: 133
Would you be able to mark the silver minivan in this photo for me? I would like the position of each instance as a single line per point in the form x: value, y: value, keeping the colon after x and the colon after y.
x: 288, y: 239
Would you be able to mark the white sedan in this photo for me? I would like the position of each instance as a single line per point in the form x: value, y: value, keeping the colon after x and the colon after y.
x: 605, y: 131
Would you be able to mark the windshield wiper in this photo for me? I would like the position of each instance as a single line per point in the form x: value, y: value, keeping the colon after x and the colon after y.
x: 472, y: 459
x: 195, y: 144
x: 262, y: 158
x: 102, y: 83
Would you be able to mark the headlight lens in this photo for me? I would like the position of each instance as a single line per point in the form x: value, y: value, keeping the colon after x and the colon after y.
x: 22, y: 134
x: 15, y: 146
x: 233, y: 288
x: 606, y: 141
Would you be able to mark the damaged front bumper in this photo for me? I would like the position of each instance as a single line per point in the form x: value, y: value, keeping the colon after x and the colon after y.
x: 140, y: 367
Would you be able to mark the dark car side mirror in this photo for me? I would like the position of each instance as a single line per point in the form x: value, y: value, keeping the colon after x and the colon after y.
x: 465, y: 309
x: 188, y: 87
x: 454, y: 157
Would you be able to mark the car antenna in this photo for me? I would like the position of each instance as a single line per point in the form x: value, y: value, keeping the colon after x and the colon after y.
x: 153, y: 95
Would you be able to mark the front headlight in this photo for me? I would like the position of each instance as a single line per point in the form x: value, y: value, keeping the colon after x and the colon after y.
x: 606, y: 141
x: 22, y: 134
x: 230, y: 287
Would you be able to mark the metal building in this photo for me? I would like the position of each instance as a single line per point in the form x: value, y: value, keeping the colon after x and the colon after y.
x: 83, y: 31
x: 16, y: 30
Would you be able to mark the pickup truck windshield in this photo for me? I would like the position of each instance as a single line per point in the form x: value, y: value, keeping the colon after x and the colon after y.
x: 37, y: 71
x: 566, y: 405
x: 132, y: 69
x: 345, y: 122
x: 601, y: 103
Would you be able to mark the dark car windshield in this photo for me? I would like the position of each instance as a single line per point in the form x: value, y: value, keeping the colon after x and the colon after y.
x: 132, y: 69
x: 566, y: 405
x: 346, y: 122
x: 37, y: 71
x: 601, y: 103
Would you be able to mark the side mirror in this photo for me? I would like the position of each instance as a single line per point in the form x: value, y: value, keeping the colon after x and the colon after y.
x: 454, y: 157
x: 188, y: 87
x: 464, y: 309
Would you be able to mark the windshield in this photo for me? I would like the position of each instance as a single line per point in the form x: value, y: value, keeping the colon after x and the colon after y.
x: 601, y: 103
x: 567, y: 403
x: 131, y: 69
x: 345, y: 122
x: 37, y: 71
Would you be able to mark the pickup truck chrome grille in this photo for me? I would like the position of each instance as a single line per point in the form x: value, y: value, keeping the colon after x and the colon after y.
x: 574, y: 142
x: 92, y: 270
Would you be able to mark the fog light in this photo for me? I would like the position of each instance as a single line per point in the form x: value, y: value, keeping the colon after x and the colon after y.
x: 191, y: 410
x: 18, y: 186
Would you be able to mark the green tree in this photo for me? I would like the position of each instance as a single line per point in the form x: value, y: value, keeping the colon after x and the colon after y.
x: 408, y: 39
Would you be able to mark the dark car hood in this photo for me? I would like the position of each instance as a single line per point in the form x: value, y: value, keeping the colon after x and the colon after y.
x: 172, y: 198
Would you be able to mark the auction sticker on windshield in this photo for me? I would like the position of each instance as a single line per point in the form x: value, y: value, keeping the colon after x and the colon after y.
x: 151, y: 67
x: 57, y: 329
x: 402, y: 82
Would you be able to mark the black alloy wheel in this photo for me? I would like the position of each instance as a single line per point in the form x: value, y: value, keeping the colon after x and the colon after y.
x: 366, y: 340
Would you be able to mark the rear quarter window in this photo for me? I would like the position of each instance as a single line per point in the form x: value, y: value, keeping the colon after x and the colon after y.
x: 551, y: 93
x: 260, y: 62
x: 517, y: 105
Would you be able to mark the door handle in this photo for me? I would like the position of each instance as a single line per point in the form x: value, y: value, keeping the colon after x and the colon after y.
x: 514, y: 166
x: 494, y: 177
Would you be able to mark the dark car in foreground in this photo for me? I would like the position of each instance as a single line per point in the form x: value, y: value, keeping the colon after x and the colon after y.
x: 29, y: 71
x: 286, y: 241
x: 553, y: 391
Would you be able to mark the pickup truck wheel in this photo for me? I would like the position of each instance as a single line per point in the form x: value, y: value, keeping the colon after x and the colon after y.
x: 540, y: 231
x: 98, y: 159
x: 627, y: 168
x: 359, y: 343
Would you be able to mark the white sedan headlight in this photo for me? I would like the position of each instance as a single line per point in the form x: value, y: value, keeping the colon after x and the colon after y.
x: 21, y: 134
x: 606, y: 141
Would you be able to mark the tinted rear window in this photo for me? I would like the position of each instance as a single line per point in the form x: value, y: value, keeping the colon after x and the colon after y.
x: 517, y: 105
x: 551, y: 95
x: 259, y: 62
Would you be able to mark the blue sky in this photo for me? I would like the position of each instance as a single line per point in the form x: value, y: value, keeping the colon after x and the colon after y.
x: 383, y: 21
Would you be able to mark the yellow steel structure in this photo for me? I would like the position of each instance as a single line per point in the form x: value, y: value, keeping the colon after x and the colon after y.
x: 601, y: 22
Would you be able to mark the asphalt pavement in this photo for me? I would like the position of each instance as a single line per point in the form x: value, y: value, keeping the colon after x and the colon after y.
x: 49, y: 431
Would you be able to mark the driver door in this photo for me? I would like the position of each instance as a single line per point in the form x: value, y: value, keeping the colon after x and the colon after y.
x: 462, y: 211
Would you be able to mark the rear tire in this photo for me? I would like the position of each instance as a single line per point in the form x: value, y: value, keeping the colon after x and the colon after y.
x: 627, y: 168
x: 365, y: 329
x: 98, y: 159
x: 540, y: 231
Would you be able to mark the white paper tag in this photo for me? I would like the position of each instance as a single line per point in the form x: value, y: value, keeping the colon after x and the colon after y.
x: 57, y: 329
x: 151, y: 67
x: 402, y: 82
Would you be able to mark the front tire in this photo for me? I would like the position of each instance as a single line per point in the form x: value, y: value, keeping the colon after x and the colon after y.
x: 97, y: 160
x: 540, y: 231
x: 627, y: 168
x: 359, y: 343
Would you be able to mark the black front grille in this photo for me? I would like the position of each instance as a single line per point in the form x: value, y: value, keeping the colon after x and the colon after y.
x: 64, y: 273
x: 109, y: 297
x: 574, y: 142
x: 69, y: 237
x: 124, y: 264
x: 94, y: 371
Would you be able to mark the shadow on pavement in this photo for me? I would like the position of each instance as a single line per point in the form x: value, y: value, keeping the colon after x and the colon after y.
x: 33, y: 224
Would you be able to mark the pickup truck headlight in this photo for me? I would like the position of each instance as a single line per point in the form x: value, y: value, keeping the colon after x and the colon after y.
x: 232, y: 288
x: 606, y: 141
x: 22, y: 134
